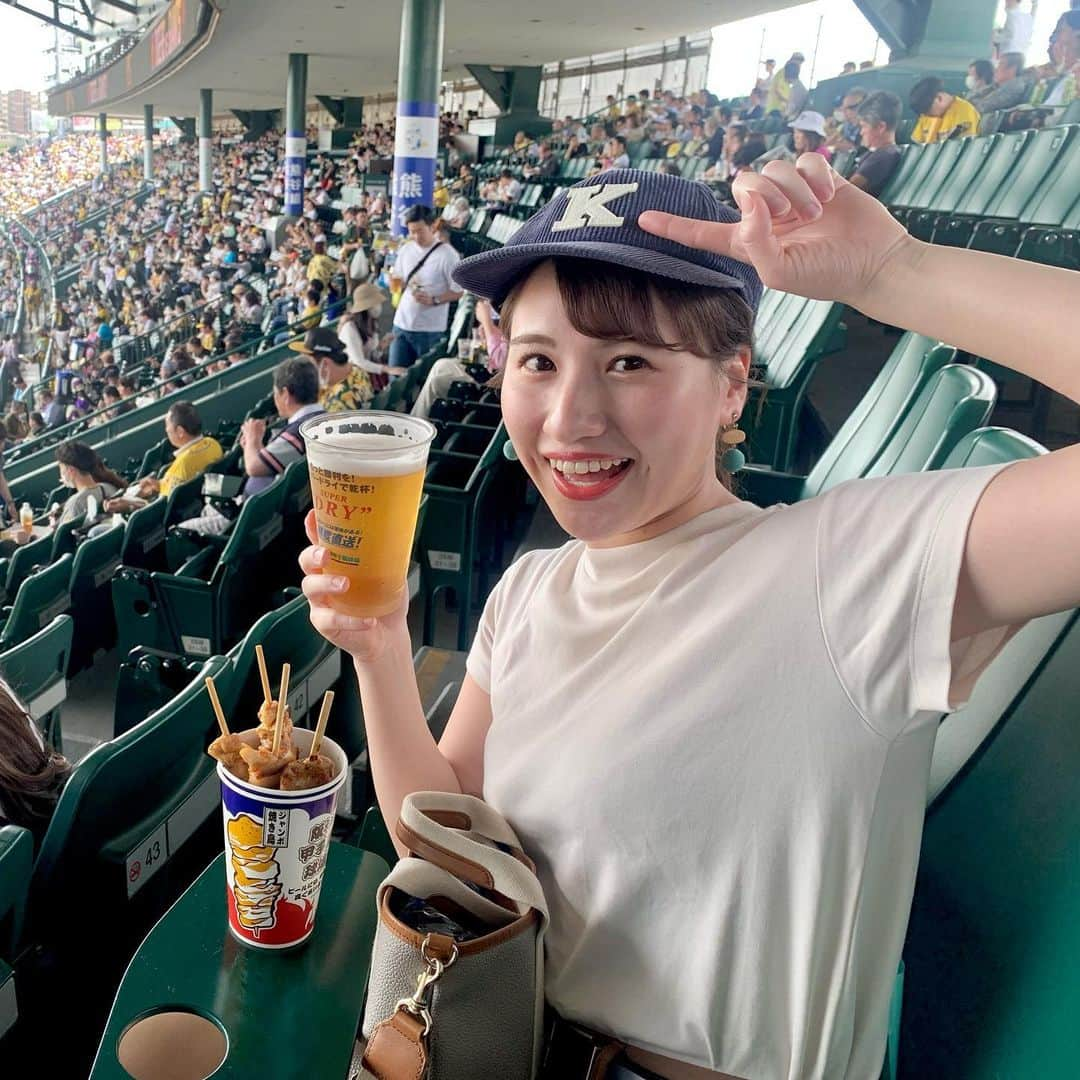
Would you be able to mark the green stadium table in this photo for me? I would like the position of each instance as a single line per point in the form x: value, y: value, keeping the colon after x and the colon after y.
x: 290, y: 1014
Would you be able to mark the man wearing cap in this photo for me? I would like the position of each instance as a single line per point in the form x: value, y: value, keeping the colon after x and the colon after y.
x: 342, y: 386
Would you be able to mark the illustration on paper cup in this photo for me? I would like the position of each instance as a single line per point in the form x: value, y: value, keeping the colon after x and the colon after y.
x: 255, y: 873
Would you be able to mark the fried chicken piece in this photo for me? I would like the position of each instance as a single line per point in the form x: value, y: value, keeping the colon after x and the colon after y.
x: 264, y: 766
x: 226, y: 749
x: 307, y: 773
x: 268, y: 722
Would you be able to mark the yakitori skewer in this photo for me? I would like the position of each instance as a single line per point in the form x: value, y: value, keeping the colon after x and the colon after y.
x: 283, y: 693
x: 320, y: 727
x: 211, y: 689
x: 261, y: 657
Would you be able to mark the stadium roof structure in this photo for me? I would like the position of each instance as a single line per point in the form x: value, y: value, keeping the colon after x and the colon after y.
x: 238, y: 48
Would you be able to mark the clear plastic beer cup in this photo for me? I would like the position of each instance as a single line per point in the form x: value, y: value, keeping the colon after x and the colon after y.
x: 367, y: 476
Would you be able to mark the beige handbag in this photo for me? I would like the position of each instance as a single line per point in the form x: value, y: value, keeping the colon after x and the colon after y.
x: 440, y: 1009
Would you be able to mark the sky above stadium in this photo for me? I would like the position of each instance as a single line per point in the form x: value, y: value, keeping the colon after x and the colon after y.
x: 737, y: 47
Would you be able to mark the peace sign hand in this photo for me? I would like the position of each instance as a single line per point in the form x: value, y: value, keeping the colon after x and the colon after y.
x: 804, y: 228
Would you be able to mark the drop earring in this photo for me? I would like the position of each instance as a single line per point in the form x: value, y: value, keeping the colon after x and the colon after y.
x: 508, y: 451
x: 732, y: 459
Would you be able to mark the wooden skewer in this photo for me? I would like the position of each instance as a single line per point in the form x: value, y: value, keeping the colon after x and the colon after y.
x: 211, y: 689
x: 283, y: 693
x: 261, y: 657
x: 320, y: 727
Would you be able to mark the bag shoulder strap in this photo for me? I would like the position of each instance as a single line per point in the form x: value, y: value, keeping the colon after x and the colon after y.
x: 427, y: 255
x: 397, y: 1049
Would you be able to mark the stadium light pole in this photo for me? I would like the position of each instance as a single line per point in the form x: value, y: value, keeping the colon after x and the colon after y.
x: 148, y: 143
x: 295, y: 134
x: 416, y: 142
x: 206, y: 124
x: 103, y: 135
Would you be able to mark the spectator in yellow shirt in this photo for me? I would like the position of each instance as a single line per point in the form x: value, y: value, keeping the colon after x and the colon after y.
x: 194, y: 452
x: 322, y: 267
x: 941, y: 115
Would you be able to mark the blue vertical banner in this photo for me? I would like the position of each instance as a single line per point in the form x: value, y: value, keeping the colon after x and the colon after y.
x: 416, y: 147
x: 295, y: 163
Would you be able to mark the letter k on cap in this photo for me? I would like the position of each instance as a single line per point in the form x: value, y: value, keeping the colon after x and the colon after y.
x: 587, y: 206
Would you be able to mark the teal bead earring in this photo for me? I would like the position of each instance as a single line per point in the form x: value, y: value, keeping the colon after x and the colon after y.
x: 732, y: 459
x: 509, y: 452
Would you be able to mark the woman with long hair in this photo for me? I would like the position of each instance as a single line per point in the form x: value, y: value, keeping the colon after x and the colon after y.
x: 82, y: 468
x: 711, y: 723
x: 31, y: 773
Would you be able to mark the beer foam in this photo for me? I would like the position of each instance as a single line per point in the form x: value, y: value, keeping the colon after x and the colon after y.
x: 360, y: 446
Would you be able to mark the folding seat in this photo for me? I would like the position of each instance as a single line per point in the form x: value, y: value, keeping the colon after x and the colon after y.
x: 799, y: 334
x: 144, y: 537
x: 16, y: 861
x: 921, y: 169
x: 863, y: 436
x: 942, y: 160
x: 1003, y: 161
x: 37, y: 669
x: 211, y: 600
x: 1050, y: 197
x: 138, y: 819
x: 910, y: 155
x: 457, y: 487
x: 964, y: 173
x: 41, y: 597
x: 24, y: 561
x: 93, y: 568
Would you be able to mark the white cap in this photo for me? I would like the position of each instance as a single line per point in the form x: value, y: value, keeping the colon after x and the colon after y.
x: 809, y: 121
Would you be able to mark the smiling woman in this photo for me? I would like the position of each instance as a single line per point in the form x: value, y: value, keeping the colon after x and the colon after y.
x: 711, y: 723
x: 647, y: 359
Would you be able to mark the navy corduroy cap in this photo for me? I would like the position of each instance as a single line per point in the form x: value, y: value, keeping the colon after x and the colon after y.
x: 597, y: 219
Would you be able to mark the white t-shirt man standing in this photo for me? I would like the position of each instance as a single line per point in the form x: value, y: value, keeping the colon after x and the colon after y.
x: 1015, y: 35
x: 424, y: 311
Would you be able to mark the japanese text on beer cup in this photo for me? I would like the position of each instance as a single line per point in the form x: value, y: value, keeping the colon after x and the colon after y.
x: 366, y: 488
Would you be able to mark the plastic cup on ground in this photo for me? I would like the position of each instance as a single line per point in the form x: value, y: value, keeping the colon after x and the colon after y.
x: 367, y: 476
x: 275, y: 852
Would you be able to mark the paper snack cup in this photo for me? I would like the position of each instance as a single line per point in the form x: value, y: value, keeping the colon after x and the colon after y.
x: 275, y: 852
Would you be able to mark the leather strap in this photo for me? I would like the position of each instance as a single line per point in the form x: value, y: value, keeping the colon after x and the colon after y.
x: 396, y: 1049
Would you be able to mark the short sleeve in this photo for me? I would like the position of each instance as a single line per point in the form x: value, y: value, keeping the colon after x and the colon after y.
x: 888, y: 558
x: 282, y: 451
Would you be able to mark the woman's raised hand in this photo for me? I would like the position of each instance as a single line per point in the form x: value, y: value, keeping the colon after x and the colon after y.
x: 804, y: 228
x: 365, y: 639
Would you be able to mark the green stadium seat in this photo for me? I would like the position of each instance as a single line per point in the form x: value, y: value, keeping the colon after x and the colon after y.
x: 24, y: 561
x: 457, y: 487
x: 789, y: 356
x: 1035, y: 169
x: 899, y: 187
x: 964, y: 173
x: 138, y: 819
x: 37, y: 669
x: 1049, y: 204
x: 865, y: 433
x: 94, y: 566
x: 208, y: 604
x: 991, y: 986
x: 955, y: 401
x: 144, y: 537
x: 1001, y: 164
x: 945, y: 158
x: 41, y: 597
x: 184, y: 501
x: 16, y: 862
x: 64, y: 540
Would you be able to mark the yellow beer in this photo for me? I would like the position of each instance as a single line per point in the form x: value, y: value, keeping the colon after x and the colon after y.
x: 367, y: 476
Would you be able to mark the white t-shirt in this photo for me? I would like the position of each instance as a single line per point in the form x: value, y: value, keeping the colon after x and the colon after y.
x: 434, y: 277
x: 716, y: 745
x: 1016, y: 34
